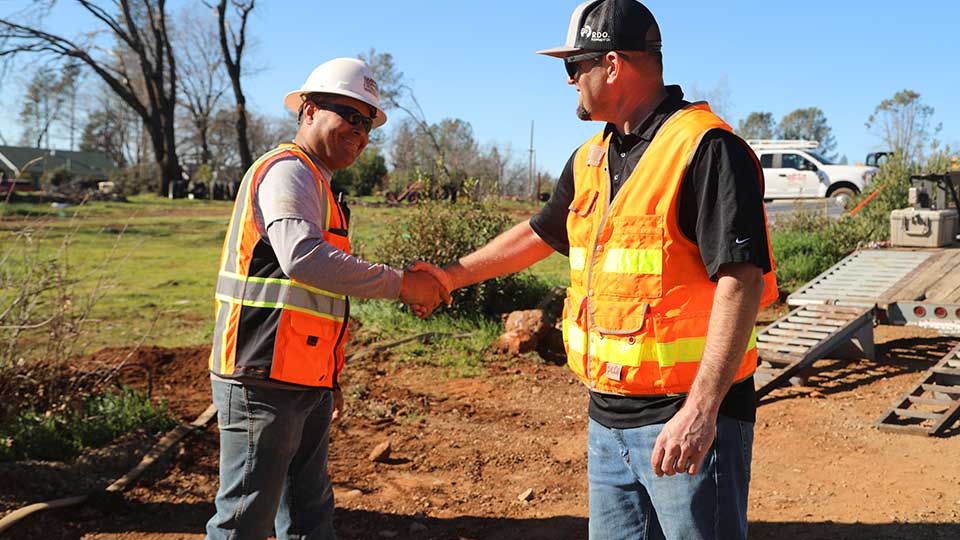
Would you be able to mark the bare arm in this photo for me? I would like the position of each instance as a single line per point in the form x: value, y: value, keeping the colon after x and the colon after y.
x: 685, y: 439
x: 512, y: 251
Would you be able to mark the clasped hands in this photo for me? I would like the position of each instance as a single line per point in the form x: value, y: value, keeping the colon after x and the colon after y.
x: 424, y: 287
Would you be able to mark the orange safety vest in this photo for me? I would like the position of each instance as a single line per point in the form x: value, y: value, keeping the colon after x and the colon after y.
x: 269, y: 326
x: 637, y: 310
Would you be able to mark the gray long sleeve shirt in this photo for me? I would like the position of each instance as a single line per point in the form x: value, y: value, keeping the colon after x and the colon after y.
x: 290, y: 212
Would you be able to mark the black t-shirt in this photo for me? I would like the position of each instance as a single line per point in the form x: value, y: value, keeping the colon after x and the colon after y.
x: 720, y: 208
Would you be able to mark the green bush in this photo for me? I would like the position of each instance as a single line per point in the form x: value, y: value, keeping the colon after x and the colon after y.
x: 441, y: 233
x: 809, y: 243
x: 63, y: 434
x: 365, y: 175
x: 136, y: 179
x: 56, y: 177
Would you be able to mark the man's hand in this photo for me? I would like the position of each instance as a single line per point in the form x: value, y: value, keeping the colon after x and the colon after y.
x: 422, y: 292
x: 439, y: 274
x: 684, y: 442
x: 337, y: 405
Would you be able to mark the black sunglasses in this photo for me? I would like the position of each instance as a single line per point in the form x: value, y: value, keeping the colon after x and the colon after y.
x: 352, y: 116
x: 572, y: 63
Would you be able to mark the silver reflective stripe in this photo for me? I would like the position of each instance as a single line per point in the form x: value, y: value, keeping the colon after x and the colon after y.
x: 280, y: 293
x: 223, y: 313
x: 232, y: 247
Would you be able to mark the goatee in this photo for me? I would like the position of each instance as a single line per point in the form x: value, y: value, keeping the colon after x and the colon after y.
x: 582, y: 112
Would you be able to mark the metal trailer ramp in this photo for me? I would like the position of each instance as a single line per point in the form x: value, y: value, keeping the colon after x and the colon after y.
x: 933, y: 405
x: 805, y: 335
x: 860, y: 279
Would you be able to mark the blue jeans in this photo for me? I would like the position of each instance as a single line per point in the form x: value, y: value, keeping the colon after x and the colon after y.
x: 628, y: 501
x: 273, y: 464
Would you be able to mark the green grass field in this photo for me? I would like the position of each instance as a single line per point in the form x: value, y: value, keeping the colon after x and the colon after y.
x: 158, y: 261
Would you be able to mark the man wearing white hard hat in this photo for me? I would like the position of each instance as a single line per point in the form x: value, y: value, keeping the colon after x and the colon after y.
x: 282, y: 312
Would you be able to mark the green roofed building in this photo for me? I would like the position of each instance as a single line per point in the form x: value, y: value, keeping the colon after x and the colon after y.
x: 24, y: 162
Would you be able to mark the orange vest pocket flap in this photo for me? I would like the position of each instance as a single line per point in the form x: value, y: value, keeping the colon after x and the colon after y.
x: 584, y: 202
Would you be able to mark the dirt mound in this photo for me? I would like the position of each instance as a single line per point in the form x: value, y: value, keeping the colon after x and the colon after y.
x: 178, y: 375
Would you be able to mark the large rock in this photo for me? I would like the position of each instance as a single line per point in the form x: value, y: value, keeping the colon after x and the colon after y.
x: 524, y: 329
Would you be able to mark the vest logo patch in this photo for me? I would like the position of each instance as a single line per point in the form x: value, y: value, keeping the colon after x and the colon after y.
x: 312, y: 341
x: 613, y: 371
x: 595, y: 155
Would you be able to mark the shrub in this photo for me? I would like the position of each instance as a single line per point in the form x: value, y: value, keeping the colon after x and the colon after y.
x: 441, y: 233
x: 136, y: 179
x: 56, y: 178
x: 62, y: 435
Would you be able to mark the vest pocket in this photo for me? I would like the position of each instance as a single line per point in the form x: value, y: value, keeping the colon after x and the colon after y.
x: 632, y: 263
x: 584, y: 202
x: 304, y: 349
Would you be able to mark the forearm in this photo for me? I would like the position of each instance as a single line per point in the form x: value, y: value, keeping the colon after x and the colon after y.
x: 510, y: 252
x: 306, y: 257
x: 734, y: 313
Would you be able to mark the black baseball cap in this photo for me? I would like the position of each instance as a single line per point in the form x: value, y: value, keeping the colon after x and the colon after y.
x: 609, y: 25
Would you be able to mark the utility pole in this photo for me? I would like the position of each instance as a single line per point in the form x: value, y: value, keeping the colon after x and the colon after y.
x: 531, y: 164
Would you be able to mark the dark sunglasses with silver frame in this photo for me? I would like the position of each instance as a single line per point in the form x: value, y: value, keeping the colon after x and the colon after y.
x: 351, y: 115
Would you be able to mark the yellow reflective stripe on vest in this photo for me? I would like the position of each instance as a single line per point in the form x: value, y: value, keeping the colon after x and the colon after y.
x: 574, y: 336
x: 633, y: 261
x: 621, y: 351
x: 275, y: 293
x: 578, y: 258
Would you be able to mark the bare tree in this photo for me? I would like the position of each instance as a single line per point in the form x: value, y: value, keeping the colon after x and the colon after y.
x: 718, y: 97
x: 41, y: 107
x: 903, y: 124
x: 396, y: 94
x: 202, y: 77
x: 139, y: 27
x: 232, y: 44
x: 111, y: 128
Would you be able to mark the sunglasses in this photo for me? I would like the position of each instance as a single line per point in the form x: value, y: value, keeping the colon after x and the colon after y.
x: 352, y: 116
x: 572, y: 63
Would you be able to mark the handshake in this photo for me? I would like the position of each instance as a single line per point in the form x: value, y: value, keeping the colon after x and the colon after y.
x: 424, y: 287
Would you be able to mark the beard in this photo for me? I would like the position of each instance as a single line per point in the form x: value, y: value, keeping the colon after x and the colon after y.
x: 582, y: 112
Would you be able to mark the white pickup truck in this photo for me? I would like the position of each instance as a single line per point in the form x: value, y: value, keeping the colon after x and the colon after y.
x: 794, y: 170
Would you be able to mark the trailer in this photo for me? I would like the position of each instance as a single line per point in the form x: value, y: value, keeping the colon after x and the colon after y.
x: 915, y: 283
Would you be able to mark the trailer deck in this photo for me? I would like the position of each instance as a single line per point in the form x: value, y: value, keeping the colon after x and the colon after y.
x: 917, y: 287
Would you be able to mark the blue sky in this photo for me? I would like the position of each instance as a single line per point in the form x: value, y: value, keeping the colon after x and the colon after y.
x: 474, y: 60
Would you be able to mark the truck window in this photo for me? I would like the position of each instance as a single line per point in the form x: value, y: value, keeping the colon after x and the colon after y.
x: 796, y: 161
x: 766, y: 161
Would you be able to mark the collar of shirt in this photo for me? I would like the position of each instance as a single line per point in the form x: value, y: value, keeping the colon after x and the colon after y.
x: 651, y: 124
x: 324, y: 170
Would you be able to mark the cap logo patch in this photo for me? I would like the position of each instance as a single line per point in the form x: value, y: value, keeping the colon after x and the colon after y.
x: 587, y: 32
x: 370, y: 86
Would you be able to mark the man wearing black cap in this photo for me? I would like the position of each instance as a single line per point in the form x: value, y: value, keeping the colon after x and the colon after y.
x: 662, y: 217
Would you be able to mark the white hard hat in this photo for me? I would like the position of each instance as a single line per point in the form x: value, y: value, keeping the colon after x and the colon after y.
x: 344, y: 77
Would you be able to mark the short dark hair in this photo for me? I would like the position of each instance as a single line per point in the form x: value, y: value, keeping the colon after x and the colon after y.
x: 312, y: 97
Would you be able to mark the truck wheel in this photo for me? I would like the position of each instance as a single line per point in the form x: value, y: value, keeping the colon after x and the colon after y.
x: 842, y: 196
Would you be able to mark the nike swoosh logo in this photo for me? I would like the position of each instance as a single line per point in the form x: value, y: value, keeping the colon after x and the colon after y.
x: 744, y: 241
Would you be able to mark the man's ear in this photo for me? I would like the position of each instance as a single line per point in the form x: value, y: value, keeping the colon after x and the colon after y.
x: 309, y: 108
x: 615, y: 66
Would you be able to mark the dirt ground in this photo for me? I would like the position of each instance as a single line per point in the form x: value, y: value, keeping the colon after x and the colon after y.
x: 464, y: 450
